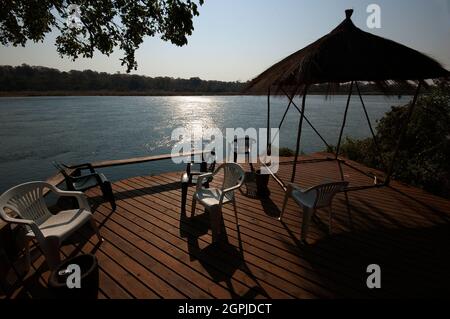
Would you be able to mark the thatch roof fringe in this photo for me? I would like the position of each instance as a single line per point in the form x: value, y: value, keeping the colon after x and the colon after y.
x: 349, y: 54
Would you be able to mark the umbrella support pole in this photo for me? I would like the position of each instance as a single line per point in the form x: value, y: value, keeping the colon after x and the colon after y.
x: 344, y: 120
x: 291, y: 102
x: 347, y: 201
x: 291, y: 98
x: 309, y: 161
x: 269, y: 144
x: 402, y: 134
x: 374, y: 137
x: 377, y: 183
x: 299, y: 134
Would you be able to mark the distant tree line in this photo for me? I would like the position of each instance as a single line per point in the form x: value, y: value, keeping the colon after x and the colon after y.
x: 42, y: 80
x: 38, y: 78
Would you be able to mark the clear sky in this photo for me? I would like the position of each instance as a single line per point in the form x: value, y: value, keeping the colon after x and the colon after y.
x: 238, y: 39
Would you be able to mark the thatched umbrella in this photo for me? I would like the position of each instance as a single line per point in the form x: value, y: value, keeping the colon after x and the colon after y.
x: 349, y: 54
x: 346, y: 54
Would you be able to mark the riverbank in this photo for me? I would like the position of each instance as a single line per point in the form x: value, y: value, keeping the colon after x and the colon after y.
x: 113, y: 93
x: 25, y: 80
x: 149, y: 93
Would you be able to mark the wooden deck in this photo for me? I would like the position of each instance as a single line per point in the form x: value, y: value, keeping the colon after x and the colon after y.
x: 154, y: 250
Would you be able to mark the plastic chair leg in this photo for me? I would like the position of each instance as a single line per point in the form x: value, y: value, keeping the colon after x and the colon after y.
x: 286, y: 198
x: 108, y: 194
x: 95, y: 227
x: 330, y: 219
x: 184, y: 191
x: 307, y: 215
x: 215, y: 214
x: 27, y: 252
x: 194, y: 203
x: 51, y: 252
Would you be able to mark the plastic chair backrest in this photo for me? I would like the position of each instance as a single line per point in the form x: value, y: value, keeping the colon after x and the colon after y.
x: 233, y: 175
x: 27, y: 201
x: 211, y: 161
x: 326, y: 192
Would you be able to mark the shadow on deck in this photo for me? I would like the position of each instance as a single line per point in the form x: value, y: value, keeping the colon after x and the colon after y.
x: 154, y: 249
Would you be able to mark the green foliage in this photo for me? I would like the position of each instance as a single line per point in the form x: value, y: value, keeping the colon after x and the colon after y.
x: 28, y: 78
x: 362, y: 151
x: 286, y: 152
x: 106, y: 24
x: 424, y: 157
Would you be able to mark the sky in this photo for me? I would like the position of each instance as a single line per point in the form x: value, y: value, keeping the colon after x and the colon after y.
x: 235, y: 40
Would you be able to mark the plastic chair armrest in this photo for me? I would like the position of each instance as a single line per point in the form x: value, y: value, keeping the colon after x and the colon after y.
x: 27, y: 222
x: 85, y: 176
x: 231, y: 189
x: 292, y: 186
x: 12, y: 220
x: 80, y: 196
x: 81, y: 166
x: 100, y: 178
x: 195, y: 173
x: 201, y: 178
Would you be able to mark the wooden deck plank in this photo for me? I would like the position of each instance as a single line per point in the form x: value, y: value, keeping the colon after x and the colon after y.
x: 264, y: 232
x: 175, y: 224
x: 170, y: 272
x: 153, y: 249
x: 119, y: 267
x: 258, y: 252
x: 261, y: 263
x: 209, y: 284
x: 227, y: 230
x: 119, y: 249
x: 108, y: 286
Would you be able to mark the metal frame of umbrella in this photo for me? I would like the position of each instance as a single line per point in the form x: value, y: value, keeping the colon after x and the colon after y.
x: 315, y: 64
x: 303, y: 118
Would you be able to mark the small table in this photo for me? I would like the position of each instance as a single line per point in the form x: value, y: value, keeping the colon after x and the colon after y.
x: 256, y: 184
x: 250, y: 184
x: 243, y: 143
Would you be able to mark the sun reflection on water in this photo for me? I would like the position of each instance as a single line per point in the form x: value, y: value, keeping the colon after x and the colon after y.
x: 196, y: 113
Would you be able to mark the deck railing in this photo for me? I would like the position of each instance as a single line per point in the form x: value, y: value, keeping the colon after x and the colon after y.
x: 58, y: 178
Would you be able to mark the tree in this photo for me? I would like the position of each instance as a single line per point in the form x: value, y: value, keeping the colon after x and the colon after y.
x: 104, y: 25
x: 424, y: 157
x: 47, y: 80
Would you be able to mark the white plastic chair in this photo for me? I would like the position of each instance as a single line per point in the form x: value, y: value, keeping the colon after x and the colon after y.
x: 214, y: 198
x: 27, y: 201
x: 310, y: 199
